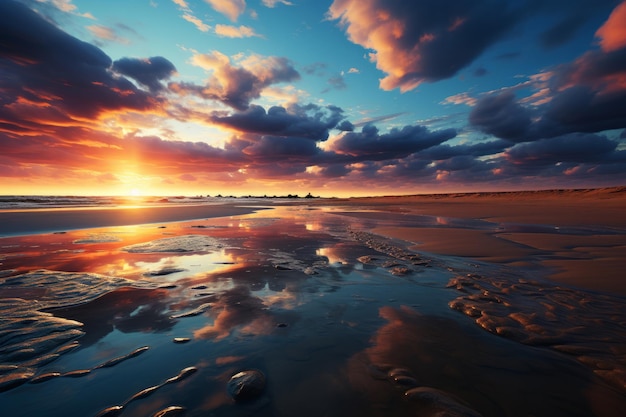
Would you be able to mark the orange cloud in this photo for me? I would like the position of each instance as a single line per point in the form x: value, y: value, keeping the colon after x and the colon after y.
x: 228, y: 31
x: 613, y: 33
x: 230, y: 8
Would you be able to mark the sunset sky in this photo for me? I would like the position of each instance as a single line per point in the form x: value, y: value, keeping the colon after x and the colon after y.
x: 336, y: 98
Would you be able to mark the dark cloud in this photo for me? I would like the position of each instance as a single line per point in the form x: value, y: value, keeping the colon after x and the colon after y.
x: 345, y: 126
x: 42, y: 65
x: 586, y: 95
x: 426, y: 41
x: 148, y: 72
x: 445, y: 151
x: 480, y: 72
x: 567, y: 17
x: 369, y: 144
x: 316, y: 68
x: 334, y: 171
x: 303, y: 121
x: 286, y: 149
x: 336, y: 82
x: 574, y: 147
x: 502, y: 116
x: 562, y: 31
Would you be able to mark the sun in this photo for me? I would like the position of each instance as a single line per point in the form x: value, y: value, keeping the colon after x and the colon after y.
x: 134, y: 192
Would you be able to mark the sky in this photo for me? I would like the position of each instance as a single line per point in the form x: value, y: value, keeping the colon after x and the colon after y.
x: 335, y: 98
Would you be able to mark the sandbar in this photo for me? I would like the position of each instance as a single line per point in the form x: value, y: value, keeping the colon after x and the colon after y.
x: 24, y: 222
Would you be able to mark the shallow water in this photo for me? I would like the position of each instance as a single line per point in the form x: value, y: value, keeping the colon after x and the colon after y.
x: 132, y: 320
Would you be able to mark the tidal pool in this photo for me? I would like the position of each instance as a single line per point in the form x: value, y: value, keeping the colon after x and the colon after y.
x: 154, y: 320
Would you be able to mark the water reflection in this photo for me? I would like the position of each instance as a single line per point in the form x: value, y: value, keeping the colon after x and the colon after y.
x: 289, y: 292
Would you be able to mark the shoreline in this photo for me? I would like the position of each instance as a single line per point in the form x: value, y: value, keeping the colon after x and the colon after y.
x: 576, y: 237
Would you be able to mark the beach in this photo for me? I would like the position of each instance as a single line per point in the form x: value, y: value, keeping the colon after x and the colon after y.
x: 454, y: 304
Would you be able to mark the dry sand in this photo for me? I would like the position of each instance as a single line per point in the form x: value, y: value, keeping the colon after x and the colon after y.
x: 589, y: 260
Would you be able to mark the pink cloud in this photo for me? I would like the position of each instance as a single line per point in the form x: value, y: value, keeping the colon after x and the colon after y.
x: 613, y: 33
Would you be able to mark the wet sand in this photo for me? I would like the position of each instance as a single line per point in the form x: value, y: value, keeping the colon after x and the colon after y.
x: 20, y: 222
x: 578, y: 235
x: 430, y: 305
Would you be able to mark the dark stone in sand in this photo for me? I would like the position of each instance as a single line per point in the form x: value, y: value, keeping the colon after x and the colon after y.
x: 282, y: 268
x: 199, y: 287
x: 405, y: 381
x: 113, y: 411
x: 281, y: 325
x: 171, y: 411
x: 397, y: 372
x: 246, y: 385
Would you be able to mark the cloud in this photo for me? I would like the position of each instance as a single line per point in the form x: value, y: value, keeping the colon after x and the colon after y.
x: 573, y: 147
x: 198, y: 23
x: 187, y: 177
x: 237, y: 86
x: 316, y: 68
x: 566, y: 18
x: 229, y: 8
x: 336, y: 82
x: 369, y: 144
x: 308, y: 121
x: 284, y: 149
x: 502, y: 116
x: 45, y: 70
x: 272, y: 3
x: 106, y: 33
x: 383, y: 118
x: 148, y: 72
x: 563, y: 31
x: 587, y: 95
x: 613, y: 33
x: 461, y: 98
x: 414, y: 42
x: 228, y: 31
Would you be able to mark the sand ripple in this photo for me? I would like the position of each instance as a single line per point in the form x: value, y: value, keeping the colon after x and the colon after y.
x: 588, y: 326
x: 31, y: 338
